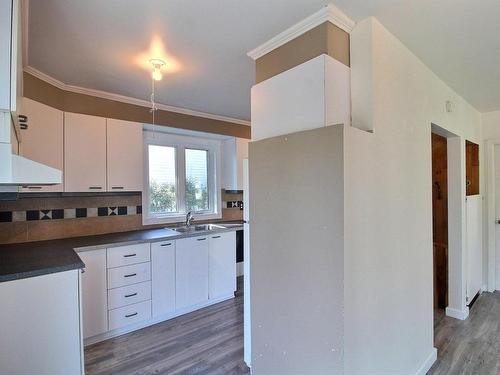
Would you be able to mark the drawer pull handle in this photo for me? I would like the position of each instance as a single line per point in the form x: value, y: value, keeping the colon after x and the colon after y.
x: 166, y: 244
x: 129, y: 255
x: 216, y: 237
x: 130, y: 275
x: 33, y: 187
x: 95, y: 187
x: 130, y: 295
x: 200, y: 239
x: 117, y: 187
x: 130, y: 315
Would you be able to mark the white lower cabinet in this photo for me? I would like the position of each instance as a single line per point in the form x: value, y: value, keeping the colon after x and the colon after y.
x: 128, y: 295
x: 132, y: 286
x: 40, y: 325
x: 94, y: 298
x: 222, y: 265
x: 124, y: 316
x: 191, y: 271
x: 135, y: 273
x: 163, y: 277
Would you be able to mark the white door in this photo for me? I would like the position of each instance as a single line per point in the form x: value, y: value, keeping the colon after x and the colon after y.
x: 84, y: 153
x: 124, y: 155
x: 42, y: 141
x: 163, y: 277
x: 191, y: 271
x: 94, y: 293
x: 222, y: 265
x: 474, y: 246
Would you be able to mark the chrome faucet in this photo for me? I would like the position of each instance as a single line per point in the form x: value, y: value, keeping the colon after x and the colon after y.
x: 189, y: 219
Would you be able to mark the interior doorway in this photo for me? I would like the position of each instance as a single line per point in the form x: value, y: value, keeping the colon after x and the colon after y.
x: 440, y: 219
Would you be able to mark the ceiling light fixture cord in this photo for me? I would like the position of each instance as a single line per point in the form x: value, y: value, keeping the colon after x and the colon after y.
x: 153, y: 104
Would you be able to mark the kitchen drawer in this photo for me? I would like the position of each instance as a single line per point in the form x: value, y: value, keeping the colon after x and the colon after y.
x: 126, y: 255
x: 130, y: 314
x: 128, y: 295
x: 136, y: 273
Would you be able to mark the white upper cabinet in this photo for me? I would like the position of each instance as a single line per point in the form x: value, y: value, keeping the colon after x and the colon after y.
x: 42, y: 141
x: 84, y: 153
x: 124, y: 155
x: 11, y: 56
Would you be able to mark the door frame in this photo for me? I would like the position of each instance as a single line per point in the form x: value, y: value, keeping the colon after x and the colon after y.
x: 490, y: 208
x: 457, y: 261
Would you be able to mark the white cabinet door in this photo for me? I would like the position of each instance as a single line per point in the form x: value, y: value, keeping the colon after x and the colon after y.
x: 222, y: 265
x: 124, y: 155
x: 40, y: 325
x: 94, y: 293
x: 43, y: 140
x: 163, y: 277
x: 84, y: 153
x: 191, y: 271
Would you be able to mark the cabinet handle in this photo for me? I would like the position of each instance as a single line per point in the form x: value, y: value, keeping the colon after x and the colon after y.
x: 166, y: 244
x: 95, y: 187
x: 130, y: 275
x: 130, y: 315
x: 32, y: 187
x: 129, y: 255
x: 117, y: 187
x: 130, y: 295
x: 216, y: 237
x: 200, y: 239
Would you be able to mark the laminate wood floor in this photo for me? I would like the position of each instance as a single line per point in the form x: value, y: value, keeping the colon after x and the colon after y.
x: 471, y: 346
x: 207, y: 341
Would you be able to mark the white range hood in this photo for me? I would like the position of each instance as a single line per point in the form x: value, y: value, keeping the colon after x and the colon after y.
x: 16, y: 170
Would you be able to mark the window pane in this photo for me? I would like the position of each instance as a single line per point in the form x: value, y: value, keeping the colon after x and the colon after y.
x: 162, y: 182
x: 196, y: 180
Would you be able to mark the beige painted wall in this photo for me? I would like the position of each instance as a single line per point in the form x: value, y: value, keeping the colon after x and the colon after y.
x: 326, y: 38
x: 297, y: 239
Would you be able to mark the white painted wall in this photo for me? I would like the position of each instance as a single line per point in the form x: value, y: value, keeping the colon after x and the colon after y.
x: 229, y: 164
x: 388, y: 207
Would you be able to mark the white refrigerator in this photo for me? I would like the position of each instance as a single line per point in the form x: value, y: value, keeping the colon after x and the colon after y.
x: 247, y: 342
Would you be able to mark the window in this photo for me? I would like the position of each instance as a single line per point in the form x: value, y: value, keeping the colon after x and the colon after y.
x: 182, y: 174
x: 197, y: 180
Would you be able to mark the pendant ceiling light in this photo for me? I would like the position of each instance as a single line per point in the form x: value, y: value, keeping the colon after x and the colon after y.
x: 156, y: 75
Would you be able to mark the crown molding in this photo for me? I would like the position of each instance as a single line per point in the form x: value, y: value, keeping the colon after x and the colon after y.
x: 127, y: 99
x: 328, y: 13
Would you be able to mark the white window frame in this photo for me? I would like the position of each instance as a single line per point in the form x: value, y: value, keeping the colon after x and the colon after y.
x: 180, y: 143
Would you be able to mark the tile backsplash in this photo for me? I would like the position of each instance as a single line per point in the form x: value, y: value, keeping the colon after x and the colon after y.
x: 52, y: 216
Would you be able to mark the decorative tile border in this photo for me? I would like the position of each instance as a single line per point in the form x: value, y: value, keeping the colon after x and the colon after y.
x: 234, y: 204
x: 68, y: 213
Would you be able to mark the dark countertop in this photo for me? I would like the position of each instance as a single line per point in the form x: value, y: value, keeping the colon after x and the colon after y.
x: 29, y: 259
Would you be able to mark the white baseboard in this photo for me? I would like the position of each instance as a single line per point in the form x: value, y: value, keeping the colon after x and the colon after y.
x: 239, y: 268
x: 458, y: 314
x: 426, y: 366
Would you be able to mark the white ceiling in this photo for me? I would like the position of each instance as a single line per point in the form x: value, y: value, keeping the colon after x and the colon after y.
x: 94, y: 44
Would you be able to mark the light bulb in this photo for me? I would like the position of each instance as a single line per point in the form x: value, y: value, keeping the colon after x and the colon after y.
x: 157, y: 65
x: 157, y: 76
